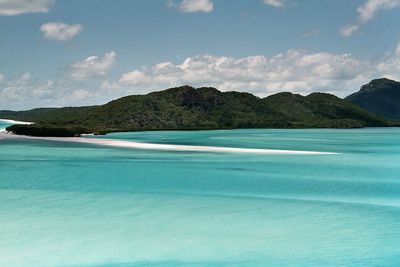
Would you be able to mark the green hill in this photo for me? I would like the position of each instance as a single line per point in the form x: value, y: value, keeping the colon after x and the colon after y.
x: 187, y: 108
x: 380, y: 96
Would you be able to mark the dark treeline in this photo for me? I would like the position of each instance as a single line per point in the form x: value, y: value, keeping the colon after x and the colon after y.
x: 187, y: 108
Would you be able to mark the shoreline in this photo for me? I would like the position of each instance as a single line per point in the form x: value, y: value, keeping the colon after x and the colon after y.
x: 165, y: 147
x: 16, y: 122
x: 3, y: 130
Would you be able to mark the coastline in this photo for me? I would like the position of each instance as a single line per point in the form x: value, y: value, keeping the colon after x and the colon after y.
x: 154, y: 146
x: 165, y: 147
x: 3, y: 130
x: 16, y: 122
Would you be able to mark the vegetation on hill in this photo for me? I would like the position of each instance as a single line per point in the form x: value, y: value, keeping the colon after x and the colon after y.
x: 51, y: 131
x: 380, y: 96
x: 187, y: 108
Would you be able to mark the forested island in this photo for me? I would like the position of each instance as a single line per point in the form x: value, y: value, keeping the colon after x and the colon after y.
x: 188, y: 108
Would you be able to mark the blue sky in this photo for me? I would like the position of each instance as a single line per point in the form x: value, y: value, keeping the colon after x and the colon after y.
x: 71, y: 52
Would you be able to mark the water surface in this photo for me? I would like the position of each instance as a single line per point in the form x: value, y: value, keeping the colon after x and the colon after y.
x: 65, y: 204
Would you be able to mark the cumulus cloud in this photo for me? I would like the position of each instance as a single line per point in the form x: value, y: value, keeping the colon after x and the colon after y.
x: 390, y: 67
x: 24, y: 92
x: 275, y: 3
x: 59, y: 31
x: 17, y: 7
x: 366, y: 12
x: 192, y: 6
x: 92, y: 66
x: 297, y: 71
x: 21, y: 91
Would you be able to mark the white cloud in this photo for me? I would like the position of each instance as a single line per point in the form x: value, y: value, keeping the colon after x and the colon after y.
x: 59, y: 31
x: 17, y: 7
x: 24, y: 92
x: 366, y: 12
x: 348, y: 30
x: 275, y: 3
x: 297, y: 71
x: 192, y: 6
x: 390, y: 67
x: 134, y: 78
x: 92, y: 67
x: 25, y: 77
x: 1, y: 78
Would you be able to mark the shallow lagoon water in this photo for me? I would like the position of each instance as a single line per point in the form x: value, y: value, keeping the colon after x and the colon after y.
x: 65, y: 204
x: 3, y: 125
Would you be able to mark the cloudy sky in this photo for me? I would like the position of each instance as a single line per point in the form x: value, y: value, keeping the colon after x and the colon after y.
x: 74, y: 52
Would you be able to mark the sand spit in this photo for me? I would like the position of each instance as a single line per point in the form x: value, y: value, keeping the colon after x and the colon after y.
x: 166, y: 147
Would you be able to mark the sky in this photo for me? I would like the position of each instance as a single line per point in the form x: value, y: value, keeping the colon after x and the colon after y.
x: 72, y: 52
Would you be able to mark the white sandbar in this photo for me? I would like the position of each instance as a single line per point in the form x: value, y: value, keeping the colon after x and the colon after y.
x: 15, y: 122
x: 12, y: 122
x: 167, y: 147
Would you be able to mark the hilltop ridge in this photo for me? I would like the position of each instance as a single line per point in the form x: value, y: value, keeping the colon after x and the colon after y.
x: 380, y: 96
x: 188, y: 108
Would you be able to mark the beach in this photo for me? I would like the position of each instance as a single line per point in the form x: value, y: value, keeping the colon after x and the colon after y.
x: 9, y: 122
x: 153, y: 146
x: 165, y: 147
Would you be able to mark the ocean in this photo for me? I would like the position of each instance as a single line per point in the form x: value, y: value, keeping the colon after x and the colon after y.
x: 72, y: 204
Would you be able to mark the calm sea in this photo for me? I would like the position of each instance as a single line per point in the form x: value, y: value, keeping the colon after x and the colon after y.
x: 65, y: 204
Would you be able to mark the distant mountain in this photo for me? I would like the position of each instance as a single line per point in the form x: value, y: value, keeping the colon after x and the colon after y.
x: 380, y: 96
x: 187, y: 108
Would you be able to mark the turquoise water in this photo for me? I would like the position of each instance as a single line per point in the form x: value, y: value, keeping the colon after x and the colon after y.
x: 3, y: 125
x: 64, y: 204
